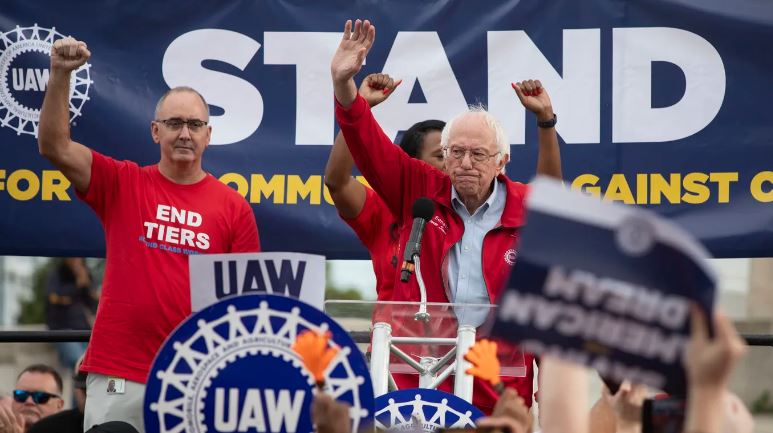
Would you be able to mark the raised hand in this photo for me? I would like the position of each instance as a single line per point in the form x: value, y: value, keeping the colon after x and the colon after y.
x: 329, y: 415
x: 510, y: 415
x: 351, y: 52
x: 68, y: 54
x: 10, y: 422
x: 376, y: 88
x: 535, y: 98
x: 709, y: 362
x: 627, y: 405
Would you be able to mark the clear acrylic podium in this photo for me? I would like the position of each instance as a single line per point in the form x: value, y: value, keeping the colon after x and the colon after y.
x: 423, y: 344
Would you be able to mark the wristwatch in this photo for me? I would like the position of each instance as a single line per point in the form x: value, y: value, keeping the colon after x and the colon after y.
x: 548, y: 123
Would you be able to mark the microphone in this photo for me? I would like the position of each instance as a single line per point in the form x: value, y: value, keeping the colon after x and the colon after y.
x: 423, y: 208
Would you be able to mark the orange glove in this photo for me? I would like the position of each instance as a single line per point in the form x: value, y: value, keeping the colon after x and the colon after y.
x: 315, y: 353
x: 485, y: 365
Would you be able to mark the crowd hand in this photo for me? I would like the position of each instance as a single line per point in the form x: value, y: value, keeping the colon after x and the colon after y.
x: 535, y: 98
x: 330, y: 416
x: 709, y: 362
x: 10, y: 422
x: 510, y: 415
x: 351, y: 52
x: 68, y: 54
x: 627, y: 405
x: 376, y: 88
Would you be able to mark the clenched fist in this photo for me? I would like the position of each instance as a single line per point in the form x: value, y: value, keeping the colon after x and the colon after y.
x: 68, y: 54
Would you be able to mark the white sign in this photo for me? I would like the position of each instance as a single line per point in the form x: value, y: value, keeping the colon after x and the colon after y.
x: 218, y: 276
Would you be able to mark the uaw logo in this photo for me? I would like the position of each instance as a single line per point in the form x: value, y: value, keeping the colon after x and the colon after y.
x: 25, y: 56
x: 510, y: 256
x: 424, y: 410
x: 635, y: 236
x: 230, y: 368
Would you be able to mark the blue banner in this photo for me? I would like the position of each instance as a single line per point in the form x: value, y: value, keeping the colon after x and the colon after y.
x: 660, y: 104
x: 605, y: 286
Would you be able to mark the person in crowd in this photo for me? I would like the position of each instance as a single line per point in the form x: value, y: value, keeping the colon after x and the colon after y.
x: 71, y: 420
x: 37, y: 394
x: 71, y: 303
x: 154, y: 217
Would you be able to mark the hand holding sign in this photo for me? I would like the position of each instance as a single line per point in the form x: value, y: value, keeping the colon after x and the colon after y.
x: 709, y: 362
x: 315, y: 352
x: 607, y: 286
x: 510, y: 414
x: 329, y: 415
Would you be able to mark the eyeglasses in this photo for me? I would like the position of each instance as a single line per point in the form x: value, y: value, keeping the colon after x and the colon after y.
x: 477, y: 155
x: 39, y: 397
x: 176, y: 124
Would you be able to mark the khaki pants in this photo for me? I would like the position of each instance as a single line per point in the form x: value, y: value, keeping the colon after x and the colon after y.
x: 102, y: 406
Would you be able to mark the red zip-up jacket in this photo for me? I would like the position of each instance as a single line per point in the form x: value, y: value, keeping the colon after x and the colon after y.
x: 399, y: 180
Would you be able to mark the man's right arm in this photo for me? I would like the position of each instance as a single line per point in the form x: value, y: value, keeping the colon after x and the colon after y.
x: 386, y: 167
x: 347, y: 193
x: 71, y: 158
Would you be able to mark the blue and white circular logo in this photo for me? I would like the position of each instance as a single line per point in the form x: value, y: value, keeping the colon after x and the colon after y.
x: 25, y: 56
x: 635, y: 236
x: 230, y: 368
x: 424, y: 410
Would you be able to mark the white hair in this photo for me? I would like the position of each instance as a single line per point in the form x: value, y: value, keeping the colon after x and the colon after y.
x: 496, y: 127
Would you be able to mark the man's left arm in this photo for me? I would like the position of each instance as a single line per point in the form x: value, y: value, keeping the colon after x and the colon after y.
x: 535, y: 98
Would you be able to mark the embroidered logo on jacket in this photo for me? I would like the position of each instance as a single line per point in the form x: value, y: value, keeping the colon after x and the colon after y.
x: 510, y: 256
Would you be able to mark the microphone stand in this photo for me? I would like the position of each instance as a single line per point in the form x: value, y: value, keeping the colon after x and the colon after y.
x: 422, y: 314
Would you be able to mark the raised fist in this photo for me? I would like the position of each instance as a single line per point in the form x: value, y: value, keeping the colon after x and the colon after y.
x: 535, y: 98
x: 68, y: 54
x: 376, y: 88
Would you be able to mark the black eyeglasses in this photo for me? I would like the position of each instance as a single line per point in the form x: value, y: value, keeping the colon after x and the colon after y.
x: 176, y: 124
x: 39, y: 397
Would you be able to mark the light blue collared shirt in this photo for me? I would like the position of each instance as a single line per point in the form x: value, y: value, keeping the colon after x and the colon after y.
x: 465, y: 264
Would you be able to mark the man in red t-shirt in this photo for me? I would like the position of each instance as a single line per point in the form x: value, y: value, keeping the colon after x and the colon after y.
x: 154, y: 217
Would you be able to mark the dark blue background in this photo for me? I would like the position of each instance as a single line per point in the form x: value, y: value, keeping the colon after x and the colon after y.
x: 128, y: 40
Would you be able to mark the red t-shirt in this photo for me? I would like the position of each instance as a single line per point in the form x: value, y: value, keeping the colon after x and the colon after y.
x: 151, y: 226
x: 378, y: 231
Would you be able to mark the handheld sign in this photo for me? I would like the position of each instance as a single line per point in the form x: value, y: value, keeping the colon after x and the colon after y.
x: 218, y: 276
x: 423, y: 410
x: 231, y: 368
x: 604, y: 285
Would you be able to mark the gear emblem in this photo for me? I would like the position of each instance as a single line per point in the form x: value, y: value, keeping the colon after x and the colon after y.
x: 230, y: 367
x: 24, y: 56
x: 424, y: 410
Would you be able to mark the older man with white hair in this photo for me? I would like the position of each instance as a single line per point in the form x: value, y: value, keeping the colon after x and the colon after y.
x: 469, y: 245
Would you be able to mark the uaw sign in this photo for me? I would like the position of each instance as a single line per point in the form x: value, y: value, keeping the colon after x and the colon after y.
x: 423, y: 410
x: 606, y: 286
x: 230, y: 368
x: 218, y: 276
